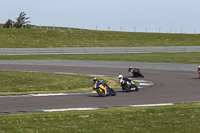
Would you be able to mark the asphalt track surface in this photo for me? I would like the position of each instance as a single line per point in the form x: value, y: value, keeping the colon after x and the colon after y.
x: 95, y: 50
x: 173, y: 83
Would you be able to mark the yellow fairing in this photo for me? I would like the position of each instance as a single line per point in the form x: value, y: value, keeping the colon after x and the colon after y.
x: 101, y: 87
x: 127, y: 82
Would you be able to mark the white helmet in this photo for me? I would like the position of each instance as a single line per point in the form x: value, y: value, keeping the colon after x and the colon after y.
x: 199, y: 66
x: 95, y: 78
x: 120, y: 76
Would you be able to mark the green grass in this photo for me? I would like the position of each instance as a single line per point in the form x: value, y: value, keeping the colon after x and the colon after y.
x: 42, y: 38
x: 178, y: 118
x: 188, y: 58
x: 38, y: 82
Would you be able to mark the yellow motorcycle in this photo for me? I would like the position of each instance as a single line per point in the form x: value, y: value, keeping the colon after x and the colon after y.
x: 105, y: 90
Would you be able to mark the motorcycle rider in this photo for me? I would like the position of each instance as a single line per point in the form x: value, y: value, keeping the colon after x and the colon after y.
x: 130, y: 70
x: 199, y: 71
x: 99, y: 84
x: 122, y: 80
x: 135, y: 72
x: 96, y: 83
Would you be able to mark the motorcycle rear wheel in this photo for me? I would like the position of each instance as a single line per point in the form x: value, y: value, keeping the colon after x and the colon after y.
x: 136, y: 88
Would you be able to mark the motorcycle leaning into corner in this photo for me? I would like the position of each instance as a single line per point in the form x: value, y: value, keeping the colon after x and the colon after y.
x: 102, y: 88
x: 127, y: 84
x: 135, y: 72
x: 199, y: 71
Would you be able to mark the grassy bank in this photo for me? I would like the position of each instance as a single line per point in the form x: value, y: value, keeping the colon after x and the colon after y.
x: 177, y: 118
x: 188, y: 58
x: 43, y: 38
x: 37, y: 82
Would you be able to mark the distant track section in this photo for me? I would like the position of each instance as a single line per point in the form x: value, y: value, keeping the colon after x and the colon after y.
x: 96, y: 50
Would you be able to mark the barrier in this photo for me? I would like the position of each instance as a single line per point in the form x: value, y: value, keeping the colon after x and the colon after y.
x: 96, y: 50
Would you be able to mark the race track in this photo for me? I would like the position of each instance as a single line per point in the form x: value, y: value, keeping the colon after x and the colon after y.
x: 170, y: 85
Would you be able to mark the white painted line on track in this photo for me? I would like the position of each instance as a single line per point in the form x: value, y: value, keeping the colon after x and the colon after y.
x: 87, y: 108
x: 144, y: 105
x: 147, y: 105
x: 144, y: 84
x: 68, y: 109
x: 45, y: 95
x: 80, y: 74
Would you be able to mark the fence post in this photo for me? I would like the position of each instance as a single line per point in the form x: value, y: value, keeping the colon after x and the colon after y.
x: 83, y: 27
x: 195, y: 30
x: 109, y: 28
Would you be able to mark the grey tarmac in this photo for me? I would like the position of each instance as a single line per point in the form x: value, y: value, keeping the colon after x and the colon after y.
x: 97, y: 50
x: 173, y: 83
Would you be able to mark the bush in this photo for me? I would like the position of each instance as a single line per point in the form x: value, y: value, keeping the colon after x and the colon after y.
x: 21, y: 20
x: 9, y: 24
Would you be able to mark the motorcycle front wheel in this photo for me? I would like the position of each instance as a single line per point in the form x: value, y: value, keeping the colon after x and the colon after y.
x: 127, y: 88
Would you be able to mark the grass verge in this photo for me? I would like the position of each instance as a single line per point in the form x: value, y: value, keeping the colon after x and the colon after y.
x: 187, y: 58
x: 43, y: 38
x: 13, y: 83
x: 177, y: 118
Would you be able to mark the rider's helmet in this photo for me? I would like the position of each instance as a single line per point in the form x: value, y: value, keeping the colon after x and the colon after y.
x: 95, y: 79
x: 120, y: 76
x: 199, y: 66
x: 130, y: 69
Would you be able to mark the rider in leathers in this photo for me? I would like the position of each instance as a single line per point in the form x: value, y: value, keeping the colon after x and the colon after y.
x: 123, y: 79
x: 96, y: 83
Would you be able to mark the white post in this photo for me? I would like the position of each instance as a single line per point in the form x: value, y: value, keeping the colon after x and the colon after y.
x: 108, y: 28
x: 134, y: 29
x: 195, y: 30
x: 83, y: 27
